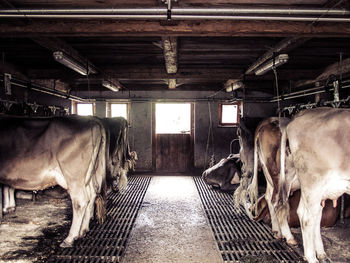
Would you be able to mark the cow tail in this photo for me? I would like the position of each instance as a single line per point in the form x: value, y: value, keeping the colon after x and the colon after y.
x: 100, y: 183
x: 282, y: 205
x: 253, y: 187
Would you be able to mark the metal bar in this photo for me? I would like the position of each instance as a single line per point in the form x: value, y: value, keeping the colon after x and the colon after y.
x: 181, y: 11
x: 286, y: 11
x: 259, y: 18
x: 271, y: 14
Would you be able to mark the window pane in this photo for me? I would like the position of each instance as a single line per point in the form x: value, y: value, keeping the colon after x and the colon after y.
x: 229, y: 114
x: 173, y: 118
x: 119, y: 110
x: 84, y: 109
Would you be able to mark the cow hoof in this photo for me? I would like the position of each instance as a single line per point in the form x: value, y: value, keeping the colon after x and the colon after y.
x: 326, y: 260
x: 292, y: 242
x: 9, y: 210
x: 65, y: 244
x: 277, y: 235
x: 83, y: 233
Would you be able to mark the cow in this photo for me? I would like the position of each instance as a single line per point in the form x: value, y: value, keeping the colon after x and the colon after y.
x: 246, y: 153
x: 319, y: 144
x: 224, y: 175
x: 245, y: 133
x: 330, y: 214
x: 36, y: 153
x: 267, y: 153
x: 119, y: 158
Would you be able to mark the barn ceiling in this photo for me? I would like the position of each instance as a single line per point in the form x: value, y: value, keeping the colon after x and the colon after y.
x: 182, y: 45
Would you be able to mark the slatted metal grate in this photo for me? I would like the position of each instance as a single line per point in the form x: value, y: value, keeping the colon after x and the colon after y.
x: 106, y: 242
x: 240, y: 239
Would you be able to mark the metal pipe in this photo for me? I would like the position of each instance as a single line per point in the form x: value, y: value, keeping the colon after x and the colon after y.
x: 183, y: 11
x: 232, y: 11
x: 85, y: 16
x: 184, y: 14
x: 288, y: 97
x: 47, y: 91
x: 139, y: 11
x: 177, y: 17
x: 268, y: 18
x: 311, y: 89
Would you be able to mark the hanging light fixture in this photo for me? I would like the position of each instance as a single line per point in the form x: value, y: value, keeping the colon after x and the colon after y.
x: 109, y: 85
x: 69, y: 62
x: 267, y: 66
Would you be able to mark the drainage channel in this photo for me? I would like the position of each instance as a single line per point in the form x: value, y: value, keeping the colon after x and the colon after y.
x: 106, y: 243
x: 240, y: 239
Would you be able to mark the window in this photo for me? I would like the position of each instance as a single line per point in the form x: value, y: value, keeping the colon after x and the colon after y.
x: 118, y: 110
x: 229, y: 113
x: 173, y: 118
x: 84, y: 109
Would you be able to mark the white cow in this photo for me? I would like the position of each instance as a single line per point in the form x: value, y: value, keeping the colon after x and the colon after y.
x: 320, y: 147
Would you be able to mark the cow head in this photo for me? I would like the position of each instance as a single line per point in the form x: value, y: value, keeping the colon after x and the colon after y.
x: 225, y: 174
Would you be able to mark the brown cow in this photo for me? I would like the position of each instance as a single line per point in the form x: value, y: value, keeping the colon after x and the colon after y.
x: 329, y: 213
x: 266, y: 153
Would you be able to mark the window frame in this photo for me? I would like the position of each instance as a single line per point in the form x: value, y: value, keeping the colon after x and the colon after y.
x: 109, y: 109
x: 173, y: 102
x: 239, y: 113
x: 75, y: 107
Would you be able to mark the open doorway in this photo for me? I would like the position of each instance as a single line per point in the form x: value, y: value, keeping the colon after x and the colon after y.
x: 173, y: 137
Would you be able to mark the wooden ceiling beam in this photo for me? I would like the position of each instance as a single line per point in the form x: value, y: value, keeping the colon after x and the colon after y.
x: 169, y: 45
x: 335, y: 69
x: 15, y: 28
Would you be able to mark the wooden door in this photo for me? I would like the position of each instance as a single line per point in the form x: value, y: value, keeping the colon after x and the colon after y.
x: 173, y: 152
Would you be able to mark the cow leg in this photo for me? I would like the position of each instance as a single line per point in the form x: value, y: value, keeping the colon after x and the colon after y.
x: 9, y: 199
x: 310, y: 213
x: 80, y: 202
x: 89, y: 209
x: 274, y: 222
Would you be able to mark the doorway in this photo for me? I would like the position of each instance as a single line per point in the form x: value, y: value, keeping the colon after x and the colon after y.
x: 173, y: 137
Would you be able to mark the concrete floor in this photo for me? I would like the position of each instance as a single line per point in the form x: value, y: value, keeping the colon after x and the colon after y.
x: 171, y: 225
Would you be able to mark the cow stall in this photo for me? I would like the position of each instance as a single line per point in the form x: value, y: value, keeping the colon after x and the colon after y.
x: 171, y: 162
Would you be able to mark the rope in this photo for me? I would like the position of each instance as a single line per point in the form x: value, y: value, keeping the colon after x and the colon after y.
x: 210, y: 135
x: 277, y: 92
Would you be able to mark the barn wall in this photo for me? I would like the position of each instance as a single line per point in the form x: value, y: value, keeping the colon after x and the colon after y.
x: 140, y: 131
x: 222, y: 135
x: 140, y: 134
